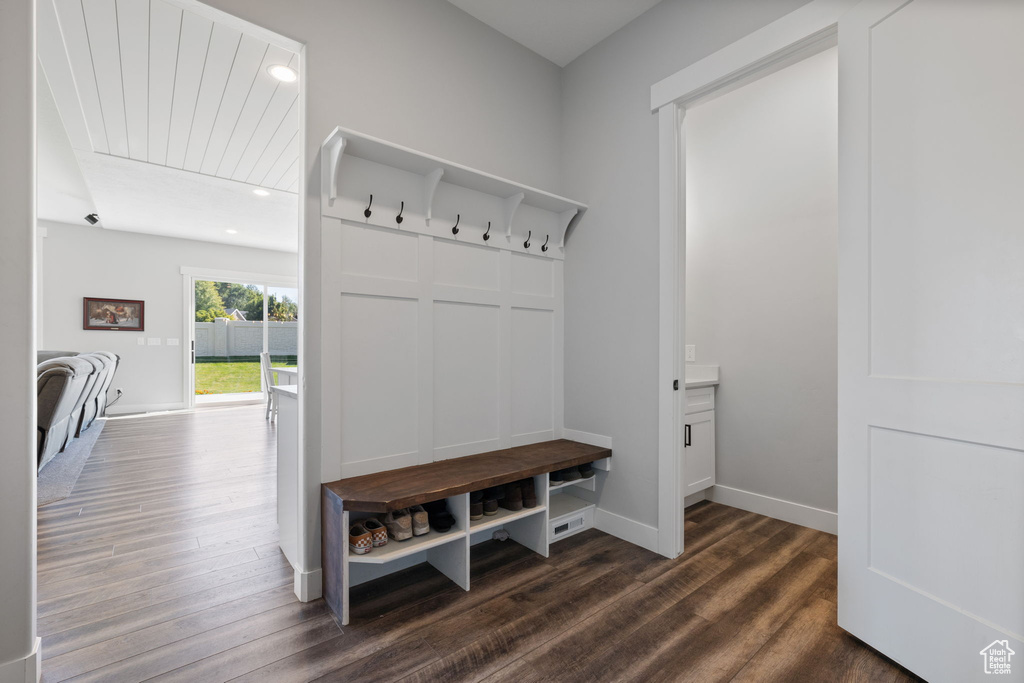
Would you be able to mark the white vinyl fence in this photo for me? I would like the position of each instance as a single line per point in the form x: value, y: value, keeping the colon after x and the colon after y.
x: 225, y: 337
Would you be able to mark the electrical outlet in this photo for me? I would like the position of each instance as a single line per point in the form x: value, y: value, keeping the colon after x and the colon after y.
x: 691, y: 353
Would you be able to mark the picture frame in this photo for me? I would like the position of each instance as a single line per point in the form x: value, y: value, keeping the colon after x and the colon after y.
x: 126, y: 315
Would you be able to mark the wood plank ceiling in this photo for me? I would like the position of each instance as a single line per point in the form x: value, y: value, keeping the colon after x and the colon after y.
x: 166, y: 86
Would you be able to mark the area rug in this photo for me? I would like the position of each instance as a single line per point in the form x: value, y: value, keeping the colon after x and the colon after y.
x: 60, y: 475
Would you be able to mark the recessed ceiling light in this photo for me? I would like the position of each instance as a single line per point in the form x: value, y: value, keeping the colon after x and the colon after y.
x: 261, y: 193
x: 282, y: 72
x: 231, y: 232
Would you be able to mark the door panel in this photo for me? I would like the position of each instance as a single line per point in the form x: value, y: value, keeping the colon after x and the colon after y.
x: 931, y: 332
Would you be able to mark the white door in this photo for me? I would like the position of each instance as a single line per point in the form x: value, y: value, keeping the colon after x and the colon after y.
x: 931, y: 334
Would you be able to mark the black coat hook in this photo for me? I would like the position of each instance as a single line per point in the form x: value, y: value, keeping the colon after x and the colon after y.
x: 366, y: 211
x: 527, y: 242
x: 544, y: 247
x: 455, y: 228
x: 487, y: 235
x: 398, y: 218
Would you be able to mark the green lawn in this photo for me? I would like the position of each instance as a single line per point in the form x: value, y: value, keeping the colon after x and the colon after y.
x: 229, y: 378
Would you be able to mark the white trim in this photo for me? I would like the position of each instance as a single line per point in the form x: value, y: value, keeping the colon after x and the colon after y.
x: 627, y: 529
x: 695, y: 498
x: 587, y: 438
x: 799, y: 34
x: 787, y: 511
x: 806, y: 31
x: 28, y: 669
x: 145, y: 408
x: 239, y: 277
x: 308, y: 586
x: 670, y: 330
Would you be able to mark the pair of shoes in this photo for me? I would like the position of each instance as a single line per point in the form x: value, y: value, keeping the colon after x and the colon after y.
x: 520, y: 494
x: 408, y: 522
x: 584, y: 471
x: 366, y: 535
x: 562, y: 476
x: 440, y: 519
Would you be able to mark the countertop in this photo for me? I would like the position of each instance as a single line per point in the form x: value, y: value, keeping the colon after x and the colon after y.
x: 698, y: 376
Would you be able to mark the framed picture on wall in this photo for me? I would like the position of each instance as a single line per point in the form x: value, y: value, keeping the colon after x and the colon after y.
x: 113, y: 314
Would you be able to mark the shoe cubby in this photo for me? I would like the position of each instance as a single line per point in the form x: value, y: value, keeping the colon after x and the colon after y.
x: 503, y: 516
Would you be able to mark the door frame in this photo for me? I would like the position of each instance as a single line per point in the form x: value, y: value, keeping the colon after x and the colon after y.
x: 807, y: 31
x: 189, y: 275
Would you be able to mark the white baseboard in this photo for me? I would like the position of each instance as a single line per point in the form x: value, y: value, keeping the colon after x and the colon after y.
x: 627, y: 529
x: 119, y: 409
x: 787, y: 511
x: 695, y: 498
x: 28, y: 669
x: 309, y: 586
x: 587, y: 438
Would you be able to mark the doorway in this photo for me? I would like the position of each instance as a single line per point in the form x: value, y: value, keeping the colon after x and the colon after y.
x: 232, y: 319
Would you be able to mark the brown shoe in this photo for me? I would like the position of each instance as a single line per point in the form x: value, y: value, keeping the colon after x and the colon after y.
x: 399, y: 525
x: 377, y: 531
x: 360, y: 541
x: 476, y: 505
x: 420, y: 523
x: 529, y: 494
x: 513, y: 499
x: 491, y: 497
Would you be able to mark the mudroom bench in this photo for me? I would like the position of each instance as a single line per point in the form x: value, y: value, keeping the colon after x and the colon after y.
x: 558, y: 514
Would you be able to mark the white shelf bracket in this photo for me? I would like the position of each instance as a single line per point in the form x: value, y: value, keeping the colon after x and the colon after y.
x: 331, y: 152
x: 430, y: 182
x: 510, y: 205
x: 568, y: 219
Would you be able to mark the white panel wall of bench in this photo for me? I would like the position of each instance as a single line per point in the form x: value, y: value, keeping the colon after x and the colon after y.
x: 443, y: 331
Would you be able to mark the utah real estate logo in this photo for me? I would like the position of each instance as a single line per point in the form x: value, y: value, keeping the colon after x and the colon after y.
x: 997, y: 657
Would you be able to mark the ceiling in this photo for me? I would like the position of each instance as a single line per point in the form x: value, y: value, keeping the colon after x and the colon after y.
x: 169, y: 114
x: 559, y: 30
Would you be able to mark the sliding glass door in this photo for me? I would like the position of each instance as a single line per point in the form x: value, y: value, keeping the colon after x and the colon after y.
x: 233, y: 322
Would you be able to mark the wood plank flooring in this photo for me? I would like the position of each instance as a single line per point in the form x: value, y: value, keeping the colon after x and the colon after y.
x: 163, y: 564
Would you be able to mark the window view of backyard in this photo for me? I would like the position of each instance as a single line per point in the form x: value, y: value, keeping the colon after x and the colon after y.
x: 231, y: 332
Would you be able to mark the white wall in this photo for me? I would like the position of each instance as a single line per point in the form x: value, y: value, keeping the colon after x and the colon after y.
x: 610, y: 161
x: 89, y: 261
x: 17, y: 339
x: 761, y: 277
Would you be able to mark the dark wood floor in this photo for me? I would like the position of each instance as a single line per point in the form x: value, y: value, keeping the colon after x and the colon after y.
x: 163, y: 564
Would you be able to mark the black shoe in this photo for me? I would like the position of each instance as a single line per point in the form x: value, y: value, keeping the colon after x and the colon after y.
x: 440, y: 519
x: 557, y: 477
x: 586, y: 470
x: 571, y: 474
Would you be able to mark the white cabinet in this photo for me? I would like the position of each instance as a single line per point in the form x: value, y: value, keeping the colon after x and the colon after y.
x: 699, y: 440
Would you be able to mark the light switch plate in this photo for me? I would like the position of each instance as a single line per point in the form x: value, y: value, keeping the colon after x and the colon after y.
x: 141, y: 341
x: 154, y: 341
x: 172, y: 342
x: 691, y: 353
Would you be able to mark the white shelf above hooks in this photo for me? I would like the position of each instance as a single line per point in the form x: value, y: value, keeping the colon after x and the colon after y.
x: 432, y: 171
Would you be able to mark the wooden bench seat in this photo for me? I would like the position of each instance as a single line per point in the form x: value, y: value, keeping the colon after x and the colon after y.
x: 397, y: 489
